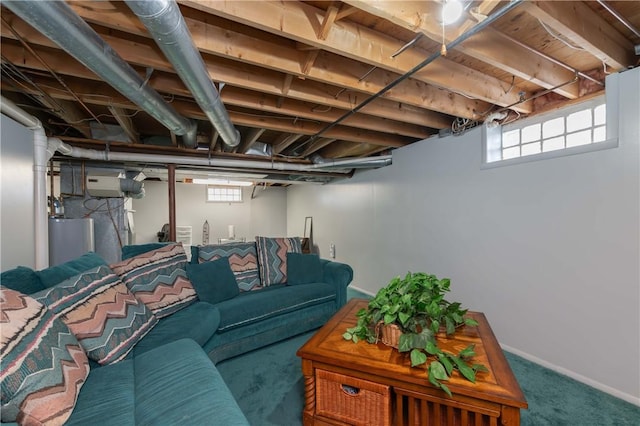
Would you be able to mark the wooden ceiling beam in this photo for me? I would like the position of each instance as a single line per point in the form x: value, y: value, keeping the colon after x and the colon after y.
x: 109, y: 96
x: 248, y: 99
x: 316, y: 146
x: 582, y: 26
x: 263, y: 82
x: 215, y: 138
x: 297, y: 20
x: 329, y: 68
x: 489, y: 46
x: 70, y: 113
x: 171, y: 84
x: 307, y: 64
x: 329, y: 19
x: 249, y: 138
x: 311, y: 128
x: 124, y: 119
x: 284, y: 141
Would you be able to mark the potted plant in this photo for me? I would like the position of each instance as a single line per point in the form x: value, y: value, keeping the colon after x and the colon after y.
x: 416, y: 307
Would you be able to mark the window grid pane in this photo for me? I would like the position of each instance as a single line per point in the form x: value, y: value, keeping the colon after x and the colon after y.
x: 531, y: 133
x: 225, y: 194
x: 578, y: 128
x: 579, y: 138
x: 579, y: 120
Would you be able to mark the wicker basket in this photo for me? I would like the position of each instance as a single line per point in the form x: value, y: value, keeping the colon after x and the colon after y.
x: 389, y: 334
x: 351, y: 400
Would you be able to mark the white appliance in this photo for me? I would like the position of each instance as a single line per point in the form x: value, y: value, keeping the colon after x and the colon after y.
x: 69, y: 238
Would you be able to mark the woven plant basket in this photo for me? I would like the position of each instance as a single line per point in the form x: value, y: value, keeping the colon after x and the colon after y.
x: 389, y: 334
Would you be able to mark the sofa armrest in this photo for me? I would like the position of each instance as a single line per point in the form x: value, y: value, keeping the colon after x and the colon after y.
x: 339, y: 275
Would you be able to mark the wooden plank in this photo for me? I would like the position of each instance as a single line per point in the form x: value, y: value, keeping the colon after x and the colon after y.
x: 311, y: 128
x: 307, y: 64
x: 299, y: 21
x: 497, y: 49
x: 483, y: 46
x: 284, y: 141
x: 332, y: 69
x: 109, y: 96
x: 329, y: 19
x: 316, y: 146
x: 248, y: 139
x: 262, y: 81
x: 124, y: 119
x: 581, y: 25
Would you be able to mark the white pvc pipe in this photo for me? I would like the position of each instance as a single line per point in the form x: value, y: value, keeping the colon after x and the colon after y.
x: 91, y: 154
x: 40, y: 158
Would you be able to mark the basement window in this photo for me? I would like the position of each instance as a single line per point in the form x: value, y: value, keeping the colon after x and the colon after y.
x: 572, y: 130
x: 224, y: 194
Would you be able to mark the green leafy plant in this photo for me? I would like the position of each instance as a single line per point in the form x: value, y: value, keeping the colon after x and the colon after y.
x: 416, y: 305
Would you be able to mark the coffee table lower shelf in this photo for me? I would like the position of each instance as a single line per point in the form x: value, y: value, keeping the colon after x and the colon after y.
x: 333, y: 398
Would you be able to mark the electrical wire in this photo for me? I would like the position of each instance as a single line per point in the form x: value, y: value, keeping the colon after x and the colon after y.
x: 557, y: 37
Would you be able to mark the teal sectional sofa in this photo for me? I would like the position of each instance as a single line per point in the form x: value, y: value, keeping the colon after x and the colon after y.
x: 168, y: 376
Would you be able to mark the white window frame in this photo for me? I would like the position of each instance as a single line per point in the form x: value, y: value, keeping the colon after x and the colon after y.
x: 492, y: 136
x: 233, y: 190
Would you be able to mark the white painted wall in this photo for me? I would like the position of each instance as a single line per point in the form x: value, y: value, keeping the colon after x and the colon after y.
x: 549, y: 250
x: 264, y: 215
x: 17, y: 236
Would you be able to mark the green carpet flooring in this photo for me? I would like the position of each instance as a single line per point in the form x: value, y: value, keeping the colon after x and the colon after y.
x: 268, y: 385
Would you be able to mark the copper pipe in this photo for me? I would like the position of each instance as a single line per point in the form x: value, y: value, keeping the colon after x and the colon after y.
x: 171, y: 178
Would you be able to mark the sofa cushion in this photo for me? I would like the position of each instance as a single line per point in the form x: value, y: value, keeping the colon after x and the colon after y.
x: 259, y: 305
x: 198, y: 322
x: 159, y: 279
x: 242, y: 259
x: 133, y: 250
x: 22, y: 279
x: 214, y: 281
x: 303, y: 268
x: 43, y: 365
x: 101, y: 312
x: 107, y: 397
x: 56, y: 274
x: 272, y: 258
x: 177, y: 384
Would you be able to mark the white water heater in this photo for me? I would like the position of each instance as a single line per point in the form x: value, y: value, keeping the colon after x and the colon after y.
x: 69, y: 238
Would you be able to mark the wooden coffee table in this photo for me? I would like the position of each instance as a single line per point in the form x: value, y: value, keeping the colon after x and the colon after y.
x: 373, y: 384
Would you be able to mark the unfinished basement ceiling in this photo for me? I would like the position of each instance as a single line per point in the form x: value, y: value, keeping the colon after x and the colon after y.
x: 330, y: 79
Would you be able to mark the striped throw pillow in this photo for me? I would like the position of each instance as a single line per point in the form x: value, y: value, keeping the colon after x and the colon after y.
x: 242, y: 259
x: 272, y: 258
x: 158, y: 278
x: 101, y: 312
x: 43, y: 365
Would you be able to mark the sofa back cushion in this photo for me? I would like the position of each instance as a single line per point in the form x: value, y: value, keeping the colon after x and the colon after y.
x: 214, y: 281
x: 22, y: 279
x: 132, y: 250
x: 101, y: 312
x: 159, y: 279
x: 303, y: 268
x: 56, y: 274
x: 43, y: 365
x: 272, y: 258
x: 242, y: 259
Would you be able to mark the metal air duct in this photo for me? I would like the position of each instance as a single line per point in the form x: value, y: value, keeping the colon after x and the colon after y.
x: 167, y: 26
x: 57, y: 21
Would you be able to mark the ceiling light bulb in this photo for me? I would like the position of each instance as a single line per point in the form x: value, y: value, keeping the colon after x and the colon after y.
x: 451, y: 11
